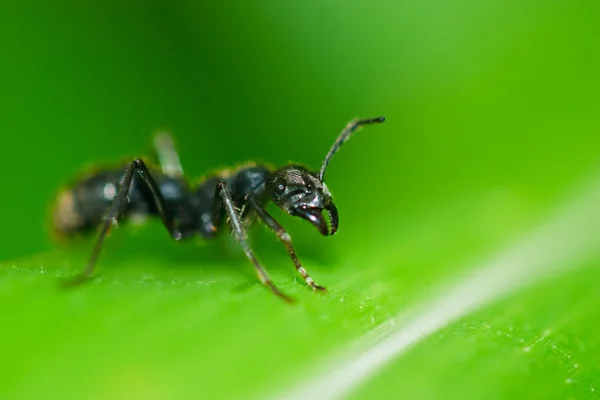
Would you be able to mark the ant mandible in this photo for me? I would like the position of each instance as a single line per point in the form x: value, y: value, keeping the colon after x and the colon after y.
x: 136, y: 190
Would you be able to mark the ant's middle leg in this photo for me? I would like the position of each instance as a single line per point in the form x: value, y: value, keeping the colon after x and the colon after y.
x: 168, y: 157
x: 118, y: 207
x: 223, y: 199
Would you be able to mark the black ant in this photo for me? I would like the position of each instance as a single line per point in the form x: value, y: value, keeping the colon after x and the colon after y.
x: 135, y: 190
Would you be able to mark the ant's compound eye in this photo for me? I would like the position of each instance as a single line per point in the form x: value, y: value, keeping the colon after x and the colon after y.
x: 279, y: 185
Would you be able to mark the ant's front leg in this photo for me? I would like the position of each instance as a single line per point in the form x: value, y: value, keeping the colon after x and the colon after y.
x: 118, y: 207
x: 287, y: 241
x: 224, y: 201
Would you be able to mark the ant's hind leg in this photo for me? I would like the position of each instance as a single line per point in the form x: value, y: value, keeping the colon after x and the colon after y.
x: 118, y: 207
x: 224, y: 200
x: 167, y: 155
x: 287, y: 241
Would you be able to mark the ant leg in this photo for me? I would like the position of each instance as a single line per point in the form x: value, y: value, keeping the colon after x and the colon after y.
x: 118, y: 206
x: 287, y: 241
x: 240, y: 234
x: 167, y: 155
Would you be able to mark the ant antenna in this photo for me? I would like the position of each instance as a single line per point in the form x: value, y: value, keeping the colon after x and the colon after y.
x: 343, y: 138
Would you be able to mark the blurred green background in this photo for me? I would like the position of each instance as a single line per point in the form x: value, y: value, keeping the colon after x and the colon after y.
x: 492, y: 118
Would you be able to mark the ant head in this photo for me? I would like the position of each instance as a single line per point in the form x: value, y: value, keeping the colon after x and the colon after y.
x: 302, y: 193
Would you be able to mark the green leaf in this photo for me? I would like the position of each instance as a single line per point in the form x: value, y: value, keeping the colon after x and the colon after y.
x: 541, y: 343
x: 152, y: 327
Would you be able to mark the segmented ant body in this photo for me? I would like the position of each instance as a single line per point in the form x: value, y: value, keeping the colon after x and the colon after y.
x: 135, y: 190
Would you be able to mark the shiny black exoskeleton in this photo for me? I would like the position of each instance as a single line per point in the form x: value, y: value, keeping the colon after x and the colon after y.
x: 135, y: 191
